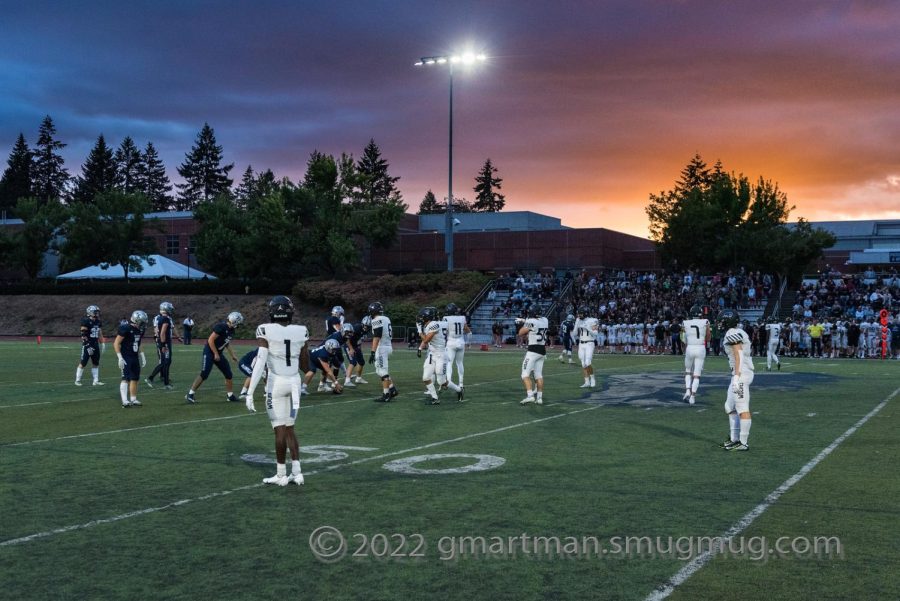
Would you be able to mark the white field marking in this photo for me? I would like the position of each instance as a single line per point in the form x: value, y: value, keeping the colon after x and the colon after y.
x: 200, y: 421
x: 704, y: 558
x: 174, y: 504
x: 810, y: 415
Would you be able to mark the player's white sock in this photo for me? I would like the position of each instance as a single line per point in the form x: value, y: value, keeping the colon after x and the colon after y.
x: 694, y: 386
x: 295, y: 467
x: 745, y: 430
x: 593, y: 381
x: 430, y: 388
x: 281, y: 469
x: 540, y: 396
x: 453, y: 386
x: 191, y: 391
x: 461, y: 371
x: 530, y: 394
x: 735, y: 422
x: 123, y: 391
x: 79, y: 371
x: 687, y: 382
x: 95, y: 373
x: 587, y: 380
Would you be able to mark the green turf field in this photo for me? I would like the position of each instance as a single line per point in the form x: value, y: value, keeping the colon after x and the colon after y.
x: 165, y: 501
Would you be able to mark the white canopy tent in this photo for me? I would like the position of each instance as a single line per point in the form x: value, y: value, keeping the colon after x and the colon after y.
x: 162, y: 268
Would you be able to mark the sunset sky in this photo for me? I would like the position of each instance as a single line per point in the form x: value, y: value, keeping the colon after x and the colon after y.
x: 584, y: 107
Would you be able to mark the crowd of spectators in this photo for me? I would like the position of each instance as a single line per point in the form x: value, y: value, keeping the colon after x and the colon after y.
x: 525, y: 290
x: 639, y: 297
x: 859, y: 296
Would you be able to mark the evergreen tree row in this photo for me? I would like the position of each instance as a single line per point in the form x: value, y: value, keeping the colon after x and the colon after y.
x: 487, y: 195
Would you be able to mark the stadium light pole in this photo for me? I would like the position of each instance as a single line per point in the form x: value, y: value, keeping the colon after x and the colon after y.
x: 450, y: 60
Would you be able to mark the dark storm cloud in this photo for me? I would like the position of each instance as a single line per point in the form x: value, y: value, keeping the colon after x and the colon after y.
x: 581, y: 102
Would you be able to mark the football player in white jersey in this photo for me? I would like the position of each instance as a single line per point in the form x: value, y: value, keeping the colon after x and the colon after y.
x: 773, y: 334
x: 382, y: 349
x: 534, y: 328
x: 281, y: 346
x: 737, y: 405
x: 695, y: 333
x: 586, y: 329
x: 457, y: 328
x: 435, y: 366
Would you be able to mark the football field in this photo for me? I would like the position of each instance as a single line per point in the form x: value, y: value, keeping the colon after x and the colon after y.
x: 613, y: 493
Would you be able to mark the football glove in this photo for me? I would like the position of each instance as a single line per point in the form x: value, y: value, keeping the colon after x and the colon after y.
x: 121, y: 361
x: 419, y: 353
x: 737, y: 387
x: 372, y: 357
x: 143, y: 359
x: 250, y: 406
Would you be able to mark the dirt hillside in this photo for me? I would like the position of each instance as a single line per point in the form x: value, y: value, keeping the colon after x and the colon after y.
x: 60, y: 315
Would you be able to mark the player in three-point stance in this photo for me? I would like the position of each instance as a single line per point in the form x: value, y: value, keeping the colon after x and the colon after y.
x: 737, y: 405
x: 281, y: 345
x: 457, y: 328
x: 91, y: 335
x: 131, y: 358
x: 382, y: 349
x: 695, y: 334
x: 586, y: 329
x: 534, y: 327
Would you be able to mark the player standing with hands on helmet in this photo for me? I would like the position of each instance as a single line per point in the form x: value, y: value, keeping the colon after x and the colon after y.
x: 281, y: 346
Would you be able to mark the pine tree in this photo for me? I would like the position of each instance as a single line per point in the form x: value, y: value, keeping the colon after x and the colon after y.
x: 98, y: 174
x: 246, y: 190
x: 204, y: 175
x: 153, y: 180
x: 430, y: 205
x: 49, y: 176
x: 487, y: 198
x: 129, y: 165
x: 375, y: 185
x: 16, y: 180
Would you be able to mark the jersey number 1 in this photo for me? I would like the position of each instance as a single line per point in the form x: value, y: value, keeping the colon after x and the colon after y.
x: 287, y: 352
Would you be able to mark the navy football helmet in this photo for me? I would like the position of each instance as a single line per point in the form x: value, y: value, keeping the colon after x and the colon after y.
x: 728, y: 318
x: 376, y: 308
x: 281, y: 308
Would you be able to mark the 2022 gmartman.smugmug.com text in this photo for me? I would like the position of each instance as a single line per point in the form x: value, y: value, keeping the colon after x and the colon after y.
x: 329, y: 544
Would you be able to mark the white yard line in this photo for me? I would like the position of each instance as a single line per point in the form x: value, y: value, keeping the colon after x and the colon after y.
x: 704, y: 558
x: 174, y: 504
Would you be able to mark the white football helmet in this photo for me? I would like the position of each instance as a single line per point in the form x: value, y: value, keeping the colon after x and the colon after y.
x: 93, y: 311
x: 167, y: 308
x: 139, y: 318
x: 332, y: 345
x: 235, y: 318
x: 337, y: 311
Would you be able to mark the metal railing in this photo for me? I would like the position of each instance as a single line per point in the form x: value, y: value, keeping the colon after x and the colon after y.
x: 479, y: 297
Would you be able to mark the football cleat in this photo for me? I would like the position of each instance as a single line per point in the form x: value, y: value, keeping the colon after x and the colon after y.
x: 585, y: 385
x: 561, y: 358
x: 393, y: 392
x: 738, y: 447
x: 277, y: 480
x: 349, y: 384
x: 691, y: 400
x: 778, y: 365
x: 136, y: 403
x: 359, y: 380
x: 189, y: 397
x: 687, y: 395
x: 168, y: 387
x: 527, y: 400
x: 78, y: 383
x: 296, y: 479
x: 729, y: 443
x: 148, y: 382
x: 232, y: 399
x: 461, y: 395
x: 385, y: 398
x: 539, y: 401
x: 126, y: 404
x: 97, y: 383
x: 243, y: 396
x: 435, y: 400
x: 593, y: 382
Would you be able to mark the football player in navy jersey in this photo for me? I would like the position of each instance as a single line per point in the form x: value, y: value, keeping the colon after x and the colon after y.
x: 163, y: 327
x: 321, y: 359
x: 334, y: 321
x: 336, y: 360
x: 131, y: 358
x: 245, y: 365
x: 217, y: 343
x: 91, y: 335
x: 353, y: 334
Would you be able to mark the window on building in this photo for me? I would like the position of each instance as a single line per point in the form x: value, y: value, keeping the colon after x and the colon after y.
x: 172, y: 244
x: 192, y: 247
